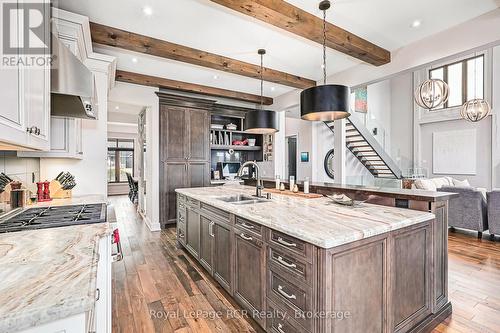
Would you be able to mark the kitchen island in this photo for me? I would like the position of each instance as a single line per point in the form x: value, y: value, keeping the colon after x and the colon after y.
x: 310, y: 265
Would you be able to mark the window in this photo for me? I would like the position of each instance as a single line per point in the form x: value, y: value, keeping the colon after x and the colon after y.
x: 120, y: 160
x: 465, y: 79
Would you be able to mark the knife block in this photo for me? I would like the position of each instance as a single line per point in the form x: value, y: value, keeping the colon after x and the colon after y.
x: 57, y: 192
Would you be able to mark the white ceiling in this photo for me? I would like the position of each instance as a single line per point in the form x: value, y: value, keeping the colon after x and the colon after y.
x: 207, y: 26
x: 123, y: 112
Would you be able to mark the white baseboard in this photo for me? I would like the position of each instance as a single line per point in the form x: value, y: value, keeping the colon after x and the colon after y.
x: 151, y: 226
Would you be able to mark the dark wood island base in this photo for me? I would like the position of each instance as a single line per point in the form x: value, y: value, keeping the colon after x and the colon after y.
x: 391, y: 282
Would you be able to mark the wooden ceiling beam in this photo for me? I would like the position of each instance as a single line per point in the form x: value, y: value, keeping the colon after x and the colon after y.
x: 105, y: 35
x: 153, y: 81
x: 297, y: 21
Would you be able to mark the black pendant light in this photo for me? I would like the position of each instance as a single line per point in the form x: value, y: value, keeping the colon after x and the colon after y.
x: 261, y: 121
x: 328, y: 101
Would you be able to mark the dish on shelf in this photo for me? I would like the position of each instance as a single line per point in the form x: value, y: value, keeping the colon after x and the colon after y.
x: 344, y: 200
x: 231, y: 127
x: 217, y: 126
x: 251, y: 142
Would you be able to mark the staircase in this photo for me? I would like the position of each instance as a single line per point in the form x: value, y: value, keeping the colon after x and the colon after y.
x: 367, y: 150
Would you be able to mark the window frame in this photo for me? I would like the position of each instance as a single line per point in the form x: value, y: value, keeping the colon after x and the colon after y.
x: 117, y: 151
x: 465, y: 78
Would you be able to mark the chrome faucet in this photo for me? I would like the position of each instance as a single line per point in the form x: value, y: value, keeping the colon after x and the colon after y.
x: 258, y: 187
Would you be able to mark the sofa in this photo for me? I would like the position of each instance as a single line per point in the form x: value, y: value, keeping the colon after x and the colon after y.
x: 433, y: 184
x: 469, y: 210
x: 494, y: 212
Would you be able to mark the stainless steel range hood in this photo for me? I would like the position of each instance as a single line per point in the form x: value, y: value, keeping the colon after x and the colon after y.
x: 73, y: 90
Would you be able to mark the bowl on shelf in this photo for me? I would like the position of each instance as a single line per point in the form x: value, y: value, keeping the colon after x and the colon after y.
x: 231, y: 127
x: 217, y: 126
x: 251, y: 142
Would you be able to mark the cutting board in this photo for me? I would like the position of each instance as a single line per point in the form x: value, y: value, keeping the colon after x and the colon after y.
x: 292, y: 194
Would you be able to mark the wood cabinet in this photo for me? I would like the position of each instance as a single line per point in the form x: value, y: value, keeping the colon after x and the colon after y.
x: 249, y: 272
x: 25, y: 93
x: 382, y: 283
x: 184, y: 149
x: 222, y: 255
x: 193, y: 232
x: 207, y: 238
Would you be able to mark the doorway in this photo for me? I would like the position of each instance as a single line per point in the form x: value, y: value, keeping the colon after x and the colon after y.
x: 291, y: 156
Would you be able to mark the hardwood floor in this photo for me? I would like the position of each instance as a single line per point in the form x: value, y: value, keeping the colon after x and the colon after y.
x: 159, y: 288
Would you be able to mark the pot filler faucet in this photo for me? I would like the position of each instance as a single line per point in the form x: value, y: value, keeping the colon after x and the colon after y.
x: 258, y: 187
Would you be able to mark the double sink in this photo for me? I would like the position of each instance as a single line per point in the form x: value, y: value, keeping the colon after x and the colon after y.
x: 242, y: 199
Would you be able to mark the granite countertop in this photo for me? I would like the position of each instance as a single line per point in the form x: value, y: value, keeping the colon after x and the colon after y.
x: 317, y: 221
x: 49, y: 274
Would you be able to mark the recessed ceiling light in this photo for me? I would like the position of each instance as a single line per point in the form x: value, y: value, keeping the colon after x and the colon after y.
x: 416, y: 24
x: 148, y: 11
x: 117, y: 107
x: 215, y: 77
x: 272, y: 88
x: 135, y: 61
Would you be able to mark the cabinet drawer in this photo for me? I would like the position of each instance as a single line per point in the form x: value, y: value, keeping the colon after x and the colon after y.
x: 246, y: 225
x: 282, y: 321
x: 215, y: 212
x: 294, y: 299
x: 282, y: 241
x: 192, y: 203
x: 299, y: 269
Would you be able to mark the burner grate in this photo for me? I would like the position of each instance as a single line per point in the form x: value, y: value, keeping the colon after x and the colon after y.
x: 51, y: 217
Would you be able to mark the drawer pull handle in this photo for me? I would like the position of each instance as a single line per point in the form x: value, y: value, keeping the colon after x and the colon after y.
x: 211, y: 229
x: 282, y: 292
x: 280, y: 328
x: 181, y: 234
x: 285, y: 263
x: 284, y: 242
x: 245, y: 237
x: 248, y: 226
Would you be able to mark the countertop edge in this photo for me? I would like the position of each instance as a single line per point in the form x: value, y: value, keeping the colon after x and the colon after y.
x: 420, y: 195
x: 325, y: 245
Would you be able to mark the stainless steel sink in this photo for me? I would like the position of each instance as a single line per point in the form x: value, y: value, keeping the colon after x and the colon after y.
x: 242, y: 199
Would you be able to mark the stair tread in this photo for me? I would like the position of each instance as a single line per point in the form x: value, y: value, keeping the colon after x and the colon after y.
x: 364, y: 152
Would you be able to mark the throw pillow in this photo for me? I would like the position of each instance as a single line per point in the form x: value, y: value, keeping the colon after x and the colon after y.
x: 425, y: 184
x: 461, y: 183
x: 440, y: 182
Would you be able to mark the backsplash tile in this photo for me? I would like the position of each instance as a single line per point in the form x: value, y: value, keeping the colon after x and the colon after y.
x: 20, y: 169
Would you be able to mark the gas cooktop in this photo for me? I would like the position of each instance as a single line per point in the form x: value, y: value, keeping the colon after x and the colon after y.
x: 53, y: 217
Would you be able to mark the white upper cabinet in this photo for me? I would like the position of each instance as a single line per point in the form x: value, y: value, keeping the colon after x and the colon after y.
x: 65, y: 140
x: 25, y: 88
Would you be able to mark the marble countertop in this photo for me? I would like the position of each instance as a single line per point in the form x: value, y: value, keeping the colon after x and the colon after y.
x: 49, y: 274
x: 317, y: 221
